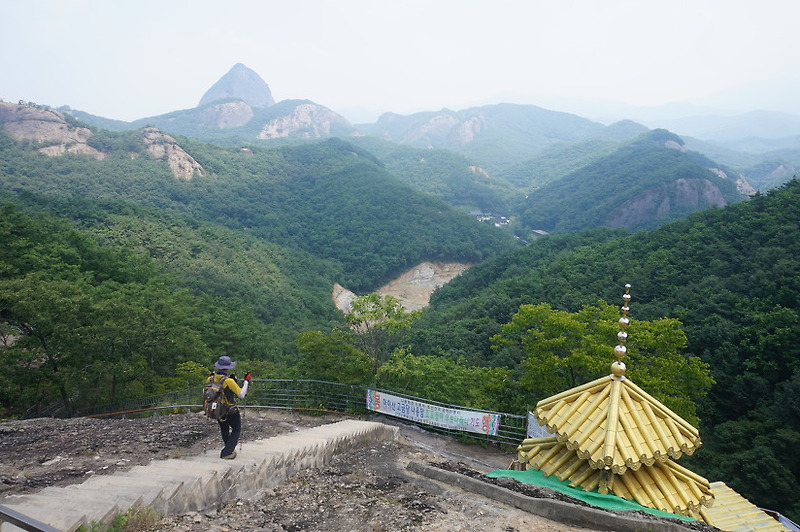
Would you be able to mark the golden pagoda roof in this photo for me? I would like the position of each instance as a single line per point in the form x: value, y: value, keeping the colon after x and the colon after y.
x: 606, y: 430
x: 665, y: 486
x: 614, y: 424
x: 734, y: 513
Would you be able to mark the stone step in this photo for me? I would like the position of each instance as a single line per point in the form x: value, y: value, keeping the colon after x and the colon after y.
x: 194, y: 483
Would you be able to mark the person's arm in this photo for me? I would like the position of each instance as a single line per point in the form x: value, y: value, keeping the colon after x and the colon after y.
x: 243, y: 391
x: 246, y: 385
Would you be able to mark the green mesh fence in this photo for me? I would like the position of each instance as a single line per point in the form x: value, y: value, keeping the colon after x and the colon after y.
x: 310, y: 395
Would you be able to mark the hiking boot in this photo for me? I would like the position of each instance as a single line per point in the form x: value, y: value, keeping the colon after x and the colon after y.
x: 229, y: 456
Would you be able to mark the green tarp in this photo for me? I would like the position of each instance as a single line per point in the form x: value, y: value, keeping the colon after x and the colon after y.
x: 609, y: 502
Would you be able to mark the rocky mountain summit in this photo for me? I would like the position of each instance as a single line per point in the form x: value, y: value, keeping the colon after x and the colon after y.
x: 227, y: 114
x: 240, y: 83
x: 457, y: 129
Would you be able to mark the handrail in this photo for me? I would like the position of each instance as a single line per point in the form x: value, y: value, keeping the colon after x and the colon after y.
x: 312, y: 395
x: 7, y: 515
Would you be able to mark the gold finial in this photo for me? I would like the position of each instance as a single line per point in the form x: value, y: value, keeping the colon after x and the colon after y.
x: 618, y: 368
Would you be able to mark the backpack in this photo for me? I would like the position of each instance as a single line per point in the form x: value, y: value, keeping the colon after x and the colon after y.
x: 214, y: 404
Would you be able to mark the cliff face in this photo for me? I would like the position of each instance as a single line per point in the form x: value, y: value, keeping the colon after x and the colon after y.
x: 306, y: 120
x: 225, y: 115
x: 656, y: 203
x: 57, y: 136
x: 164, y: 147
x: 46, y: 127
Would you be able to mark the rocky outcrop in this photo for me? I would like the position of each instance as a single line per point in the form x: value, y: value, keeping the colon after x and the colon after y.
x: 477, y: 170
x: 241, y: 105
x: 657, y: 203
x: 439, y: 125
x: 782, y: 172
x: 468, y: 130
x: 519, y: 130
x: 225, y: 115
x: 696, y: 192
x: 164, y: 147
x: 46, y: 127
x: 57, y: 137
x: 343, y: 298
x: 673, y: 145
x: 306, y: 120
x: 743, y: 187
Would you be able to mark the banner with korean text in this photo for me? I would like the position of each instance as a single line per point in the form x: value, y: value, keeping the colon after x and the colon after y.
x: 438, y: 416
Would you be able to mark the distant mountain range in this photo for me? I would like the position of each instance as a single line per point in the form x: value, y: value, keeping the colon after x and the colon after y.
x: 235, y: 99
x: 642, y: 184
x: 519, y: 163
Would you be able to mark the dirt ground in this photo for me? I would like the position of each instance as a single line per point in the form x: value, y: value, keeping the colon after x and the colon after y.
x: 366, y: 489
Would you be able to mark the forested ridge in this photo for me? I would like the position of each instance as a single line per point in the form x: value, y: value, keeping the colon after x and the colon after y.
x: 453, y: 178
x: 646, y: 171
x: 622, y: 178
x: 329, y: 199
x: 132, y: 280
x: 732, y: 278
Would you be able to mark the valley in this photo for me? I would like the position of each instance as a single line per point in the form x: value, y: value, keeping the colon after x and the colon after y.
x: 139, y: 251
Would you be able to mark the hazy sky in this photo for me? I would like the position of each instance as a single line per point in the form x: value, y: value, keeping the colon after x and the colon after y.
x: 129, y: 59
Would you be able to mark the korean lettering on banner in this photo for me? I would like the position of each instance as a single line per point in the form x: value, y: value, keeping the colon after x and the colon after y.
x: 396, y: 406
x: 465, y: 420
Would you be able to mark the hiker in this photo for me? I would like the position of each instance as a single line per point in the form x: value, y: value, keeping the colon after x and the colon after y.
x: 231, y: 424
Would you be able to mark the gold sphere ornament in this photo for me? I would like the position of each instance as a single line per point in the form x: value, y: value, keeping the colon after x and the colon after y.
x: 618, y: 369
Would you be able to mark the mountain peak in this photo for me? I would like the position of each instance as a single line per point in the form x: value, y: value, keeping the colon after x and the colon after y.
x: 240, y: 83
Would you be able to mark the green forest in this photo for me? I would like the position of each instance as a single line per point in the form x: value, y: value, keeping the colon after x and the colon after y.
x: 600, y: 192
x: 119, y: 281
x: 731, y: 277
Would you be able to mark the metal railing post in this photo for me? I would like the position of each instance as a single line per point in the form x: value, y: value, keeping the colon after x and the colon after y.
x: 7, y: 515
x: 308, y: 395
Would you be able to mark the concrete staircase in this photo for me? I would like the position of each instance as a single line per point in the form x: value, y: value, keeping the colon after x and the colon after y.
x: 183, y: 485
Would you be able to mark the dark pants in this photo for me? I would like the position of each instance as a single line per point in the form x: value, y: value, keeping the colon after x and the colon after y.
x: 230, y: 429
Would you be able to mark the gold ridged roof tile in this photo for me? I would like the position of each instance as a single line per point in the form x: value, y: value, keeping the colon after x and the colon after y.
x: 611, y: 436
x: 665, y: 486
x: 734, y: 513
x: 611, y: 422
